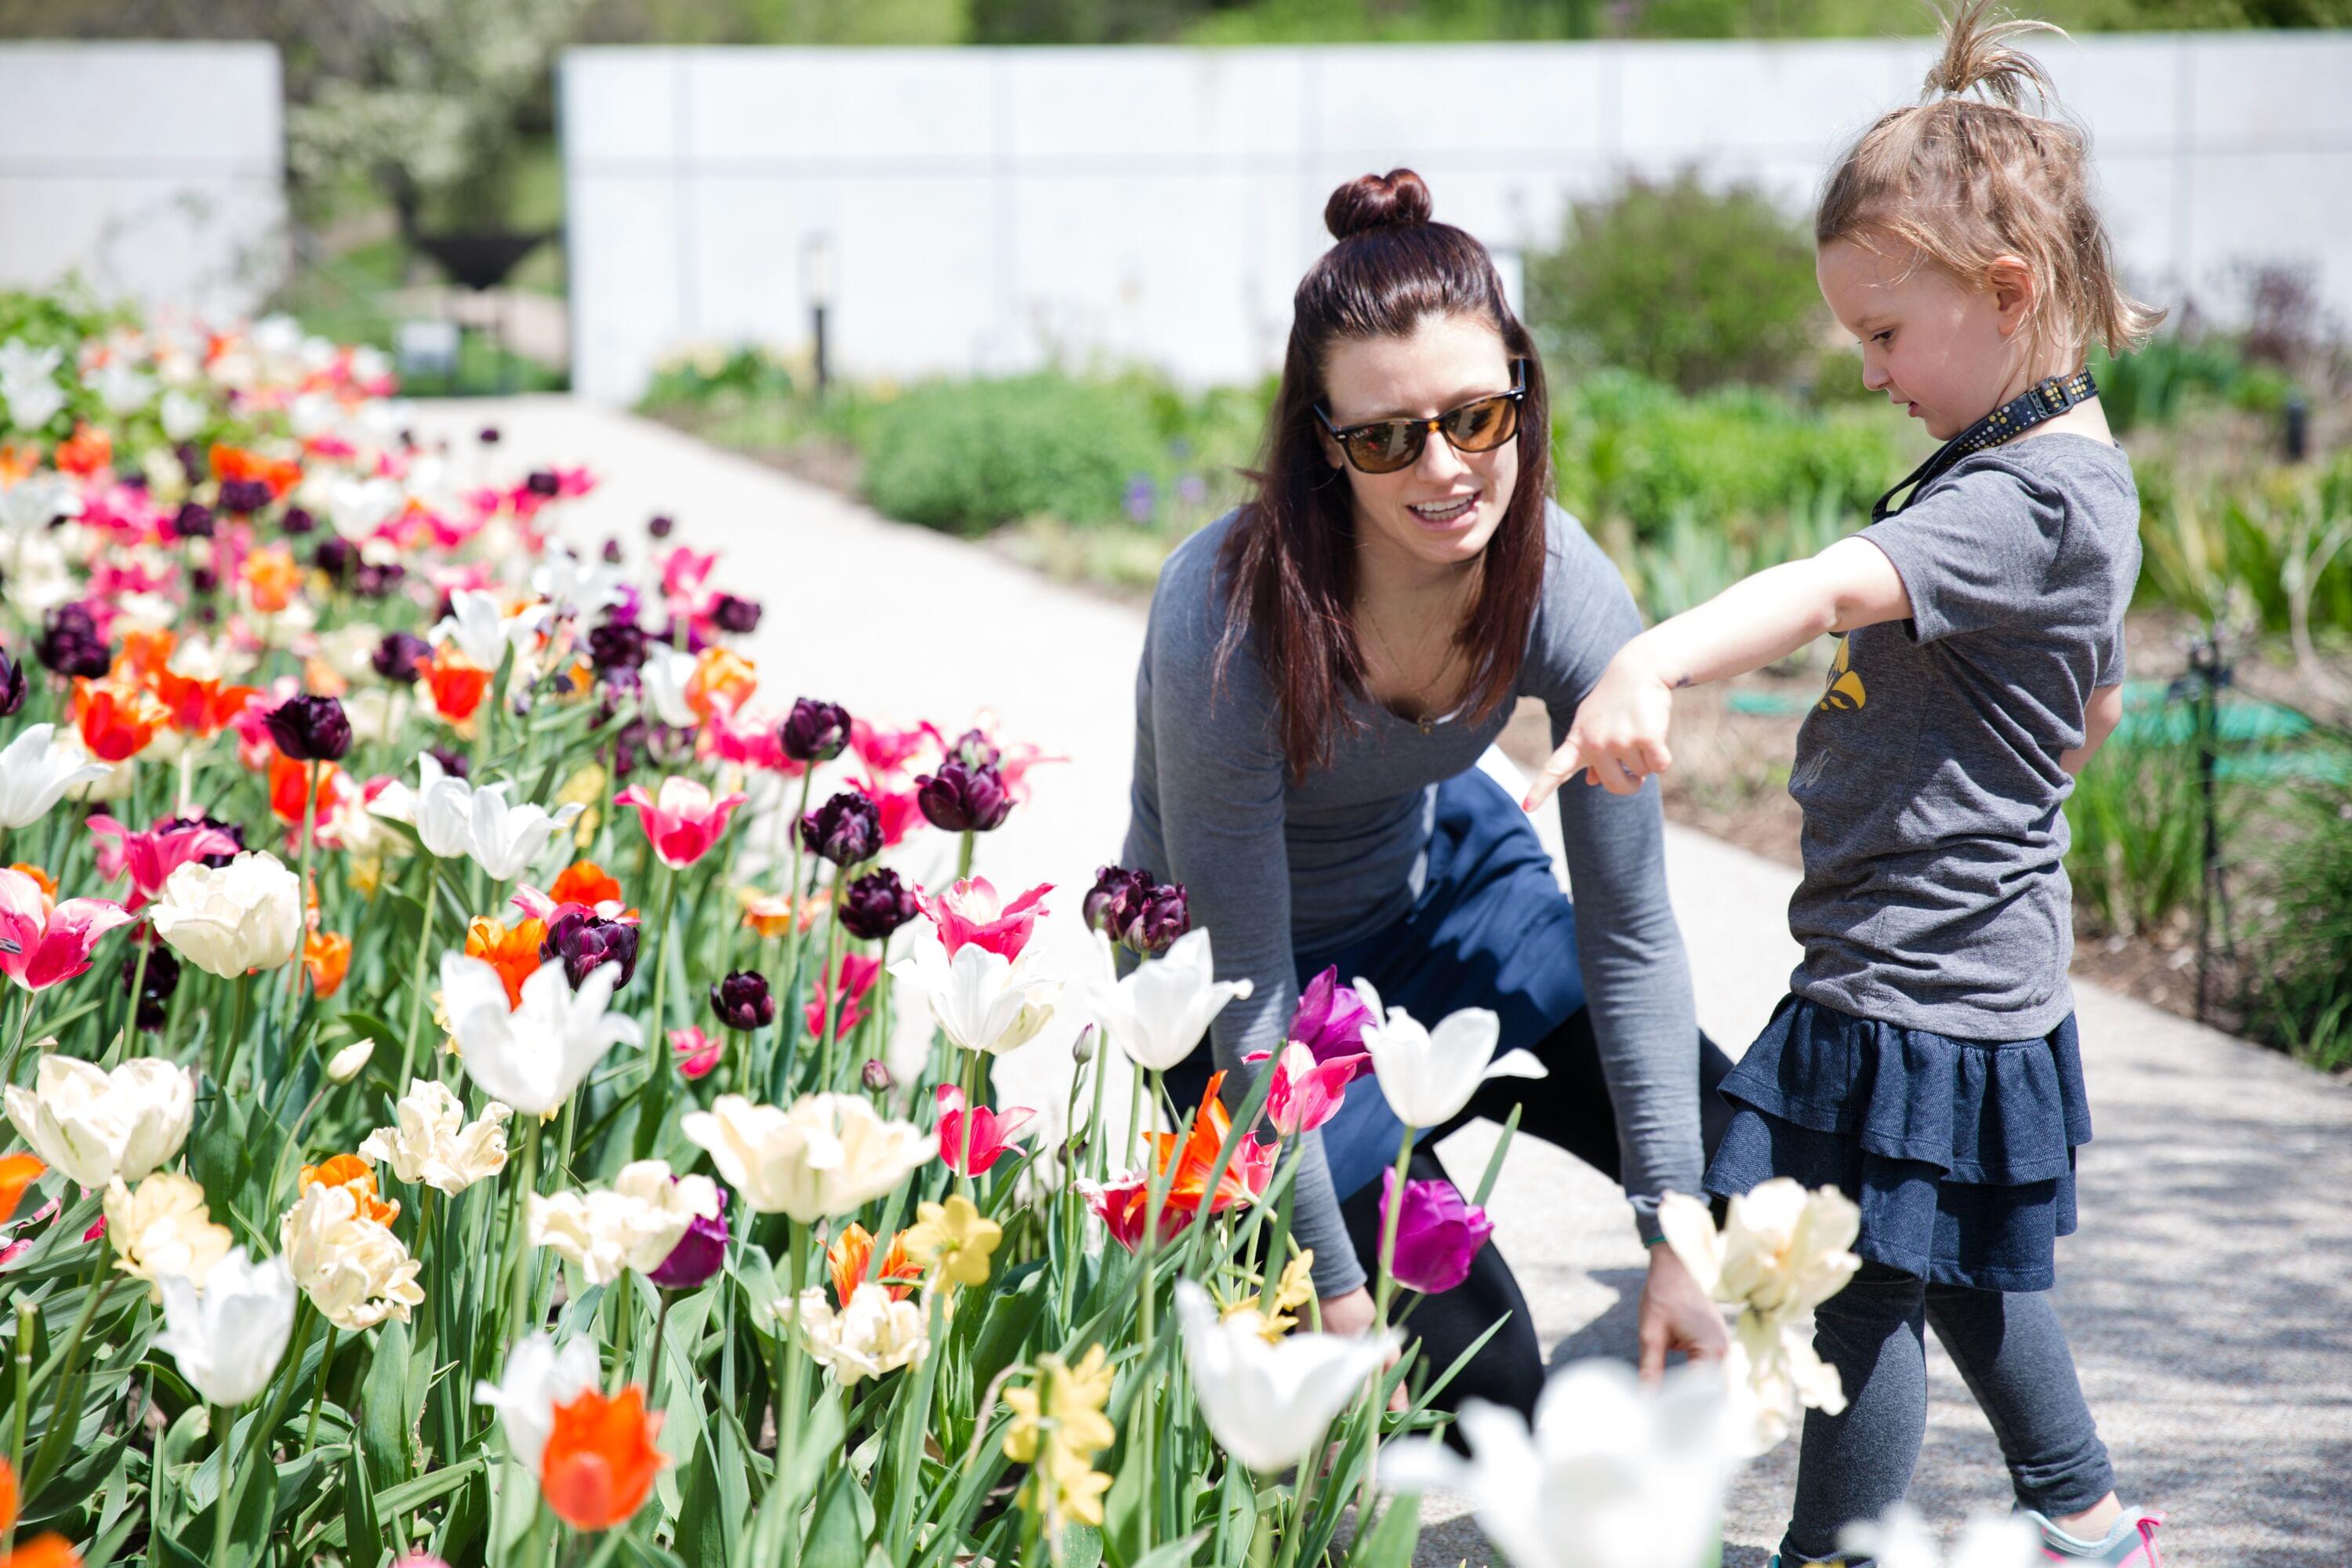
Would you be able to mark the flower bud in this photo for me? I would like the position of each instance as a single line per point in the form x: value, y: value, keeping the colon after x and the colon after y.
x: 742, y: 1001
x: 660, y: 527
x: 962, y: 797
x: 398, y: 656
x: 192, y: 521
x: 846, y: 830
x: 310, y: 728
x: 350, y: 1062
x: 296, y: 521
x: 876, y: 1077
x: 1082, y: 1050
x: 815, y: 732
x: 875, y: 905
x: 1165, y: 916
x: 740, y: 616
x: 545, y: 483
x: 243, y: 498
x: 612, y: 552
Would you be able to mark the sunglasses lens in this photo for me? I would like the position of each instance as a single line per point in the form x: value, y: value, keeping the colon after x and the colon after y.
x: 1483, y: 425
x: 1384, y: 448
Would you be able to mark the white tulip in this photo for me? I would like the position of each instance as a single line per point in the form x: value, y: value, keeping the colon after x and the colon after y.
x: 533, y: 1057
x: 434, y: 1144
x: 35, y: 772
x: 229, y: 919
x: 1613, y: 1475
x: 662, y: 681
x: 538, y: 1378
x: 1429, y: 1074
x: 482, y: 633
x: 28, y: 384
x: 827, y: 1156
x: 183, y: 415
x: 121, y: 388
x: 984, y: 1001
x: 440, y: 809
x: 33, y: 502
x: 563, y: 579
x: 350, y: 1062
x: 96, y: 1126
x: 635, y: 1224
x: 1159, y: 1013
x: 452, y: 817
x: 358, y: 508
x: 228, y: 1331
x: 1899, y: 1539
x: 1269, y: 1404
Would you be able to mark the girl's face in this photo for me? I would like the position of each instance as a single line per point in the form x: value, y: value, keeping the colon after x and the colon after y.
x: 1441, y: 511
x: 1949, y: 354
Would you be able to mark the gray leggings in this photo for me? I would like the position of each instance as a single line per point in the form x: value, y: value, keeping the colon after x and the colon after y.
x: 2013, y: 1354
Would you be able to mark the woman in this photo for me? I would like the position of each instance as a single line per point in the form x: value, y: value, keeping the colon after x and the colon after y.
x: 1323, y: 669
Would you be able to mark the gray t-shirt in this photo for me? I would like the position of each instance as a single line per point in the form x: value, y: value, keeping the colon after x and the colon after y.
x: 1272, y: 868
x: 1935, y: 894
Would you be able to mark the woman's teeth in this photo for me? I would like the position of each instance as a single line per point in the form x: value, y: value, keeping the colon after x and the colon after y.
x: 1444, y: 511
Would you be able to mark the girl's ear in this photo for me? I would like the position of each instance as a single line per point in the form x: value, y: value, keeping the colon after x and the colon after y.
x: 2015, y: 291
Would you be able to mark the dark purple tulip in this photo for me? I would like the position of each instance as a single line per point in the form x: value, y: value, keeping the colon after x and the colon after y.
x: 660, y: 527
x: 191, y: 461
x: 1331, y: 1018
x: 69, y: 643
x: 296, y: 521
x: 1112, y: 901
x: 398, y: 655
x: 876, y: 1075
x: 543, y: 482
x: 336, y: 556
x: 846, y: 830
x: 12, y: 685
x: 236, y: 830
x: 740, y: 616
x: 875, y: 905
x: 155, y: 987
x: 963, y: 798
x: 612, y: 552
x: 1437, y: 1233
x: 205, y: 580
x: 1137, y: 911
x: 310, y: 728
x: 457, y: 765
x: 617, y: 644
x: 742, y: 1001
x: 192, y: 521
x: 1166, y: 915
x: 815, y: 732
x: 699, y: 1253
x: 243, y: 498
x: 976, y: 749
x: 585, y: 939
x: 377, y: 581
x: 489, y: 436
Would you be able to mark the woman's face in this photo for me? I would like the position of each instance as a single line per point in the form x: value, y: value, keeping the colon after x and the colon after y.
x: 1442, y: 509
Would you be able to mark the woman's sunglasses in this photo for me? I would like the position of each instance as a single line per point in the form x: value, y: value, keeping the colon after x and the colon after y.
x: 1386, y: 446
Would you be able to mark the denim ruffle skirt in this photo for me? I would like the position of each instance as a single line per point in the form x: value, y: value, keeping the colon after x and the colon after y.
x: 1961, y: 1153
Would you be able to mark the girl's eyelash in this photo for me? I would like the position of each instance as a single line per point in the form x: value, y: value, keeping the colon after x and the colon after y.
x: 1881, y: 337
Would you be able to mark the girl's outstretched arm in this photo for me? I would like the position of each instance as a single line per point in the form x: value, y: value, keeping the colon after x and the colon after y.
x: 1619, y: 737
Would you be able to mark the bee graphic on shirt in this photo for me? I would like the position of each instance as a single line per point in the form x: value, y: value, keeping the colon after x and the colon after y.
x: 1845, y: 694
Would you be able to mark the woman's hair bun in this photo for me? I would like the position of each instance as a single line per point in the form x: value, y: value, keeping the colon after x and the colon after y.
x: 1397, y: 199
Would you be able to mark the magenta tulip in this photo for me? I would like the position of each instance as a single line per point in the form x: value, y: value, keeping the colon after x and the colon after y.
x: 1330, y: 1021
x: 991, y: 1131
x: 41, y: 945
x: 969, y: 913
x: 1307, y: 1093
x: 150, y: 857
x: 684, y: 820
x: 1437, y: 1233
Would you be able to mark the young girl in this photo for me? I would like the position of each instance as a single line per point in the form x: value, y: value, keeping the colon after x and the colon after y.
x: 1926, y: 1062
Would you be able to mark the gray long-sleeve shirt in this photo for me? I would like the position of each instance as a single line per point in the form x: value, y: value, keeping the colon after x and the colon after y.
x: 1274, y: 867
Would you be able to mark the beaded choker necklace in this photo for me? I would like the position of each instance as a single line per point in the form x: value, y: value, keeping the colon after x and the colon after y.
x: 2046, y: 401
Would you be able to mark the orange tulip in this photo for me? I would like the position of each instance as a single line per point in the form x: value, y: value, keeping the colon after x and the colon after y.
x: 585, y: 882
x: 721, y: 679
x: 17, y: 460
x: 48, y: 884
x: 271, y: 578
x: 850, y: 1260
x: 600, y: 1460
x: 290, y: 785
x: 49, y: 1550
x: 199, y: 708
x: 144, y: 656
x: 18, y: 1171
x: 457, y: 686
x: 512, y: 951
x: 351, y: 1172
x: 116, y: 722
x: 236, y: 463
x: 327, y: 956
x: 86, y: 451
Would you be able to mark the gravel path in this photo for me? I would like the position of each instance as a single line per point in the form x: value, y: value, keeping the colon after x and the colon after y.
x: 2206, y: 1293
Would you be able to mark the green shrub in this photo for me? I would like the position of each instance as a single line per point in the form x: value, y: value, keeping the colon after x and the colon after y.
x: 1688, y: 285
x: 2302, y: 995
x: 2137, y: 855
x: 746, y: 371
x: 2275, y: 547
x: 967, y: 456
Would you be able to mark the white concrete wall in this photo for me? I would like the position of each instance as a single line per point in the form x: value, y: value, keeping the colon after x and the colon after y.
x: 155, y: 171
x: 989, y: 208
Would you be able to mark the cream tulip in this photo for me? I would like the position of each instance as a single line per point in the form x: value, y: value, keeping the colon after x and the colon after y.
x: 228, y: 1331
x: 981, y: 1000
x: 869, y: 1337
x: 227, y: 919
x: 634, y: 1224
x: 1268, y: 1406
x: 434, y: 1144
x: 355, y: 1271
x: 95, y: 1125
x: 826, y: 1156
x: 1428, y: 1075
x: 533, y: 1057
x: 161, y: 1228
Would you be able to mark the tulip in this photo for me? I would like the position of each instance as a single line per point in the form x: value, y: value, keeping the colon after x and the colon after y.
x: 453, y: 817
x: 635, y: 1222
x: 815, y: 732
x: 874, y: 1077
x: 850, y: 1262
x: 696, y: 1052
x: 18, y: 1171
x: 398, y: 657
x: 1269, y: 1404
x: 585, y: 882
x: 538, y: 1378
x: 984, y: 1001
x: 69, y: 644
x: 826, y: 1156
x: 228, y: 1331
x: 433, y: 1143
x: 513, y: 951
x: 599, y: 1464
x: 12, y: 685
x: 310, y: 728
x: 855, y: 980
x: 351, y: 1061
x: 35, y: 772
x: 155, y: 987
x: 1437, y: 1235
x: 1157, y: 1013
x: 871, y: 1335
x: 534, y: 1055
x: 95, y: 1126
x: 991, y: 1132
x: 150, y: 859
x: 738, y: 616
x: 353, y: 1268
x: 1612, y: 1476
x: 1429, y: 1075
x: 663, y: 680
x: 875, y: 905
x: 1307, y: 1093
x: 1900, y: 1539
x: 684, y: 820
x: 615, y: 643
x: 962, y: 797
x: 742, y: 1001
x: 42, y: 944
x: 483, y: 633
x: 846, y: 830
x: 699, y: 1254
x: 247, y: 915
x: 584, y: 941
x: 969, y: 912
x: 163, y: 1229
x: 1136, y: 913
x: 1330, y: 1021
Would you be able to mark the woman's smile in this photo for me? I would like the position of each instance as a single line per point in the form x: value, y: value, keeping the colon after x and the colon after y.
x: 1446, y: 513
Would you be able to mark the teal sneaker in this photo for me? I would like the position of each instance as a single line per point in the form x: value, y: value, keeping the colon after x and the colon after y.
x: 2130, y: 1541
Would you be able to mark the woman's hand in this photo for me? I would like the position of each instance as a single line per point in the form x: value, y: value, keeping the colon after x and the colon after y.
x: 1676, y: 1315
x: 1352, y: 1314
x: 1619, y: 737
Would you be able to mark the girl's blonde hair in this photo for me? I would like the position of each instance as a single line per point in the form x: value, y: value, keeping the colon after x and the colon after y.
x: 1960, y: 181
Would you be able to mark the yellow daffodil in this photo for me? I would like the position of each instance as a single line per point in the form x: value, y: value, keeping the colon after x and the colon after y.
x: 954, y: 1237
x: 1058, y: 1428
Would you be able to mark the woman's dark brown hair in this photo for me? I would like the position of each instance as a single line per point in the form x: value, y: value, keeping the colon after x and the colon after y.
x: 1290, y: 559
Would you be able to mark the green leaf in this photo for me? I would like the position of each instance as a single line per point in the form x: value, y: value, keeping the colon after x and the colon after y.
x: 844, y: 1518
x: 1175, y: 1554
x: 1082, y: 1546
x: 388, y: 1416
x: 1391, y: 1542
x: 360, y: 1518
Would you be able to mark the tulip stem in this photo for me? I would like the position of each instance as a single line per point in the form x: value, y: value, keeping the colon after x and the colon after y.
x: 138, y: 984
x: 661, y: 971
x: 830, y: 979
x: 319, y: 1391
x: 1385, y: 1288
x: 17, y: 1045
x: 416, y: 977
x: 518, y: 1299
x: 793, y: 888
x: 301, y: 885
x: 220, y: 1504
x: 24, y: 1355
x: 789, y: 1367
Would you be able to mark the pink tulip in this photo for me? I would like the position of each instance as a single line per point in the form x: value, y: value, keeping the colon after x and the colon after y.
x: 1307, y: 1093
x: 151, y: 856
x: 969, y: 912
x: 1123, y: 1205
x: 696, y: 1052
x: 1437, y: 1233
x: 887, y: 752
x: 900, y: 811
x: 684, y: 821
x: 992, y: 1133
x: 41, y: 945
x: 857, y: 973
x: 752, y: 744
